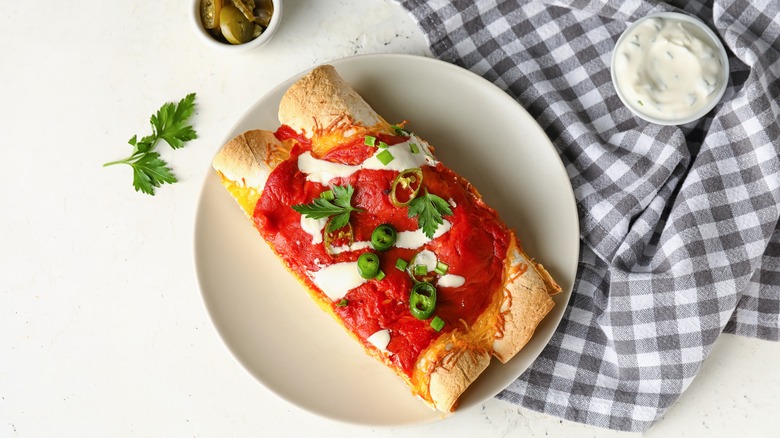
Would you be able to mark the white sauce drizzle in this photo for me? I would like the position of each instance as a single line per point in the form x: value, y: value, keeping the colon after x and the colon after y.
x: 356, y: 246
x: 451, y: 280
x: 406, y: 239
x: 425, y: 258
x: 337, y: 279
x: 314, y: 227
x: 322, y: 171
x: 380, y: 340
x: 415, y: 239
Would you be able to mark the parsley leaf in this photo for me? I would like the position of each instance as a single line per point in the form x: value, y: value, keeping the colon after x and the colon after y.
x: 429, y: 210
x: 169, y: 124
x: 338, y: 221
x: 149, y: 171
x: 339, y: 208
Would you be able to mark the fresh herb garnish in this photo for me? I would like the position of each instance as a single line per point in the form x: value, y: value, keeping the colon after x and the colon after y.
x: 339, y: 208
x: 169, y: 124
x: 429, y: 210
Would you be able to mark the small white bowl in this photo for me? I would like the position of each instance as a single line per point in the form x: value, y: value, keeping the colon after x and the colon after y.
x: 713, y: 41
x: 207, y: 39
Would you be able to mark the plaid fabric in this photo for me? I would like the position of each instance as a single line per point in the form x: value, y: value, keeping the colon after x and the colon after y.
x: 679, y: 225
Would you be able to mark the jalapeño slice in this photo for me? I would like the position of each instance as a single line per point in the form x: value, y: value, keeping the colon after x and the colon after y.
x: 368, y: 265
x: 422, y: 300
x: 406, y: 186
x: 383, y: 237
x: 343, y: 236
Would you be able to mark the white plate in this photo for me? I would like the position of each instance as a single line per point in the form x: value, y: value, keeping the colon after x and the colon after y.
x: 296, y: 350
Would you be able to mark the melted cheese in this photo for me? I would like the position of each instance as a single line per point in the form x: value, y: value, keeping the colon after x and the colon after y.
x: 334, y: 136
x: 246, y: 197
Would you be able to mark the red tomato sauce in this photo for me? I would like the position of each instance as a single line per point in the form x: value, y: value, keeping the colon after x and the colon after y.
x: 474, y: 248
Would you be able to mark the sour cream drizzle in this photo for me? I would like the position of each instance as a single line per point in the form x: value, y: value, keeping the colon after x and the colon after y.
x: 314, y: 227
x: 380, y: 340
x: 667, y: 68
x: 322, y: 171
x: 451, y: 280
x: 337, y: 279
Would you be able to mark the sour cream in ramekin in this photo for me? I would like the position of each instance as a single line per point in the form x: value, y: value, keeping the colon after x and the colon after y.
x: 669, y: 68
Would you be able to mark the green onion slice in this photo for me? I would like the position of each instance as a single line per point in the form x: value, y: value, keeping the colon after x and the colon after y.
x: 328, y: 195
x: 380, y: 276
x: 383, y: 145
x: 385, y: 157
x: 368, y: 265
x: 419, y: 272
x: 437, y: 323
x: 369, y: 140
x: 383, y: 237
x: 342, y: 303
x: 401, y: 264
x: 422, y: 300
x: 441, y: 268
x: 414, y: 148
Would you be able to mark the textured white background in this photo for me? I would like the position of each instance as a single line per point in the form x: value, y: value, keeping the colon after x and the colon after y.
x: 102, y: 329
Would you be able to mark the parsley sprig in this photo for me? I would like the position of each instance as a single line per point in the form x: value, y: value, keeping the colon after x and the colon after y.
x: 169, y: 124
x: 429, y: 210
x: 339, y: 208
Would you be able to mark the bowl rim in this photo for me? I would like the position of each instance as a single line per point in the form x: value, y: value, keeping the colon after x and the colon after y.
x: 207, y: 39
x: 715, y: 40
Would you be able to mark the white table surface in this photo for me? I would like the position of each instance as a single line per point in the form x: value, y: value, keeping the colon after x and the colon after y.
x: 102, y: 327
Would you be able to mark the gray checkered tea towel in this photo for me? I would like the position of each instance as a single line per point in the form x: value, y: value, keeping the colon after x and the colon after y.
x: 679, y: 224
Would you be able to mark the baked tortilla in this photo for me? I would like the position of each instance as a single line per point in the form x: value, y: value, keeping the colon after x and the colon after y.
x: 323, y: 107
